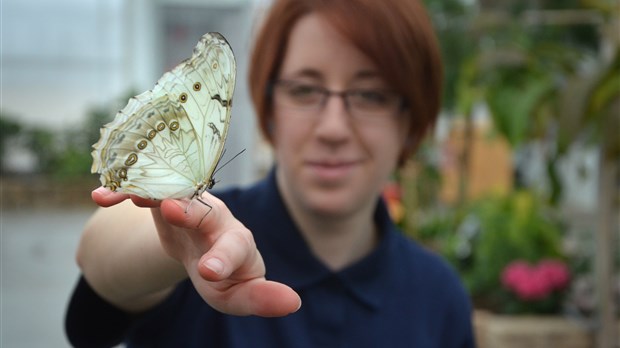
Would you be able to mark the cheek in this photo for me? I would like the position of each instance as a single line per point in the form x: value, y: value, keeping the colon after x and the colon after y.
x: 277, y: 131
x: 285, y: 136
x: 397, y: 144
x: 389, y: 156
x: 386, y: 143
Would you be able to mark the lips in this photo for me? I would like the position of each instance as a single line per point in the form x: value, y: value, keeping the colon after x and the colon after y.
x: 331, y: 170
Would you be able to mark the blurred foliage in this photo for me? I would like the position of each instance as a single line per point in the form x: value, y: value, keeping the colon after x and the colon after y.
x: 538, y: 66
x: 43, y: 143
x: 547, y: 74
x: 491, y: 233
x: 452, y: 19
x: 65, y: 154
x: 420, y: 181
x: 9, y: 130
x: 60, y: 154
x: 602, y: 106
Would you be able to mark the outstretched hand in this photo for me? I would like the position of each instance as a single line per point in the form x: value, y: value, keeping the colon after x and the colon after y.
x: 106, y: 198
x: 218, y: 253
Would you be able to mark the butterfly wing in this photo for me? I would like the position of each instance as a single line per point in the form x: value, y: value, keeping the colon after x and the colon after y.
x: 167, y: 141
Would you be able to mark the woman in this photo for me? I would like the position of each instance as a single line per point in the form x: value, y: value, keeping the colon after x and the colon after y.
x: 344, y: 91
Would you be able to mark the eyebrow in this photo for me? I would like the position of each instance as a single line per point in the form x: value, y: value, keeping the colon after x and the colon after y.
x: 311, y: 73
x: 367, y: 74
x: 315, y: 74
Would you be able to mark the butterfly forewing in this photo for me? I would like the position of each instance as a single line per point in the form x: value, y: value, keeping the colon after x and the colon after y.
x: 166, y: 142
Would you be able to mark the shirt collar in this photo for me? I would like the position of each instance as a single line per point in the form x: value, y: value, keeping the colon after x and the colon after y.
x: 289, y: 259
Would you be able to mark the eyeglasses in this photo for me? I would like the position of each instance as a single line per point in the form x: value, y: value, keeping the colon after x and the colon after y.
x: 365, y: 103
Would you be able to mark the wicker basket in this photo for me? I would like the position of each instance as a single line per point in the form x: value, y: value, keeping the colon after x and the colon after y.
x: 505, y: 331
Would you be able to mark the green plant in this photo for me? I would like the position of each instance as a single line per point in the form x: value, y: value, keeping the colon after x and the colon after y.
x: 487, y: 235
x: 9, y: 129
x: 43, y: 144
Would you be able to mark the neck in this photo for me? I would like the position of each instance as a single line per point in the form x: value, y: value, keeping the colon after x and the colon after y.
x: 338, y: 241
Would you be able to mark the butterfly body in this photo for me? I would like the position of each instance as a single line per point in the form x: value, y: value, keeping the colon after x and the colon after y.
x: 166, y: 142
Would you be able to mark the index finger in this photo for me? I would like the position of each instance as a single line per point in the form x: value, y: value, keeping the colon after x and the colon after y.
x: 104, y: 197
x: 192, y: 213
x: 107, y: 198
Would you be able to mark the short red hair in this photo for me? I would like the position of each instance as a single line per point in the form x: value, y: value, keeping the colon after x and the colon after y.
x: 396, y: 35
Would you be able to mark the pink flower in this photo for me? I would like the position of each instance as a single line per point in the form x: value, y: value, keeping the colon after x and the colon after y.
x: 516, y: 272
x: 535, y: 287
x: 532, y: 283
x: 556, y: 272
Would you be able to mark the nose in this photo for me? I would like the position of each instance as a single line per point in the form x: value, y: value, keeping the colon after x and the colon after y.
x: 334, y: 123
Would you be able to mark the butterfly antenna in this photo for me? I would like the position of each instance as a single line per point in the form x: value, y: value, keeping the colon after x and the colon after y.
x: 230, y: 160
x: 221, y: 156
x: 197, y: 194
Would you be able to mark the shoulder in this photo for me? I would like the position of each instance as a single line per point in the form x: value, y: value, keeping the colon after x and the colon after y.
x: 435, y: 288
x: 417, y: 270
x: 424, y: 260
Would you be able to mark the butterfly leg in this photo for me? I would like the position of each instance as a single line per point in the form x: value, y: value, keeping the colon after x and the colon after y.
x: 207, y: 213
x: 197, y: 197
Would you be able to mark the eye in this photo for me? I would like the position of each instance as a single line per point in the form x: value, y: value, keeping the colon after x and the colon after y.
x: 303, y: 93
x: 301, y: 90
x: 371, y: 97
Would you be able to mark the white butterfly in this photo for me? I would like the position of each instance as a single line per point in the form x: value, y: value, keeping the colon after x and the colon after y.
x: 166, y: 143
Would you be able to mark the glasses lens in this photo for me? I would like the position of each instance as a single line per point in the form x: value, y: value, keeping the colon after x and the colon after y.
x: 300, y: 95
x: 373, y: 102
x: 364, y: 103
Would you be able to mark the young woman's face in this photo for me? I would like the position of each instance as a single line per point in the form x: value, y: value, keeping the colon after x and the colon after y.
x: 333, y: 157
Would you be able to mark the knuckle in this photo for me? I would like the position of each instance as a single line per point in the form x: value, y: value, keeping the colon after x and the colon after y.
x: 217, y: 205
x: 244, y: 238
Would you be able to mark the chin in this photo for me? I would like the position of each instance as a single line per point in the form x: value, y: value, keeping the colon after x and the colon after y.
x: 333, y: 204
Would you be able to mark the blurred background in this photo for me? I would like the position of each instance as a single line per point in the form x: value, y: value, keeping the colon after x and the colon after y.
x: 519, y: 186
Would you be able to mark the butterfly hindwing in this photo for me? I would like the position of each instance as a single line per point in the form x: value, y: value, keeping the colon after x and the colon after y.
x: 166, y: 142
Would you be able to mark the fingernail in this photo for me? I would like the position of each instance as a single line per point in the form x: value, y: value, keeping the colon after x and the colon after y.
x: 215, y: 265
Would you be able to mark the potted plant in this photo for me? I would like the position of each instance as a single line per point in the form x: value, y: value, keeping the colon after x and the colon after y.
x: 509, y: 252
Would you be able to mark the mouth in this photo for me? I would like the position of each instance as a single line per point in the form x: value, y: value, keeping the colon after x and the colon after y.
x: 332, y: 170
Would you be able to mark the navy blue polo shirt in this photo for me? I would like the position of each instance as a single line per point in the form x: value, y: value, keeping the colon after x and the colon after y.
x: 400, y: 295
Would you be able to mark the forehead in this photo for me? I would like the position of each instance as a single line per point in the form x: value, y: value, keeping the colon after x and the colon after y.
x: 316, y: 49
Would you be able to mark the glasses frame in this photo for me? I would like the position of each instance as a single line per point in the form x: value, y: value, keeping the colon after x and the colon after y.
x: 327, y: 93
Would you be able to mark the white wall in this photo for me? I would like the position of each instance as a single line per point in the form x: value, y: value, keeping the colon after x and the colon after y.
x: 61, y: 58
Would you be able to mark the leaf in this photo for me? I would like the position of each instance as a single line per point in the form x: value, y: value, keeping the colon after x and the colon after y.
x: 606, y: 89
x: 513, y: 105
